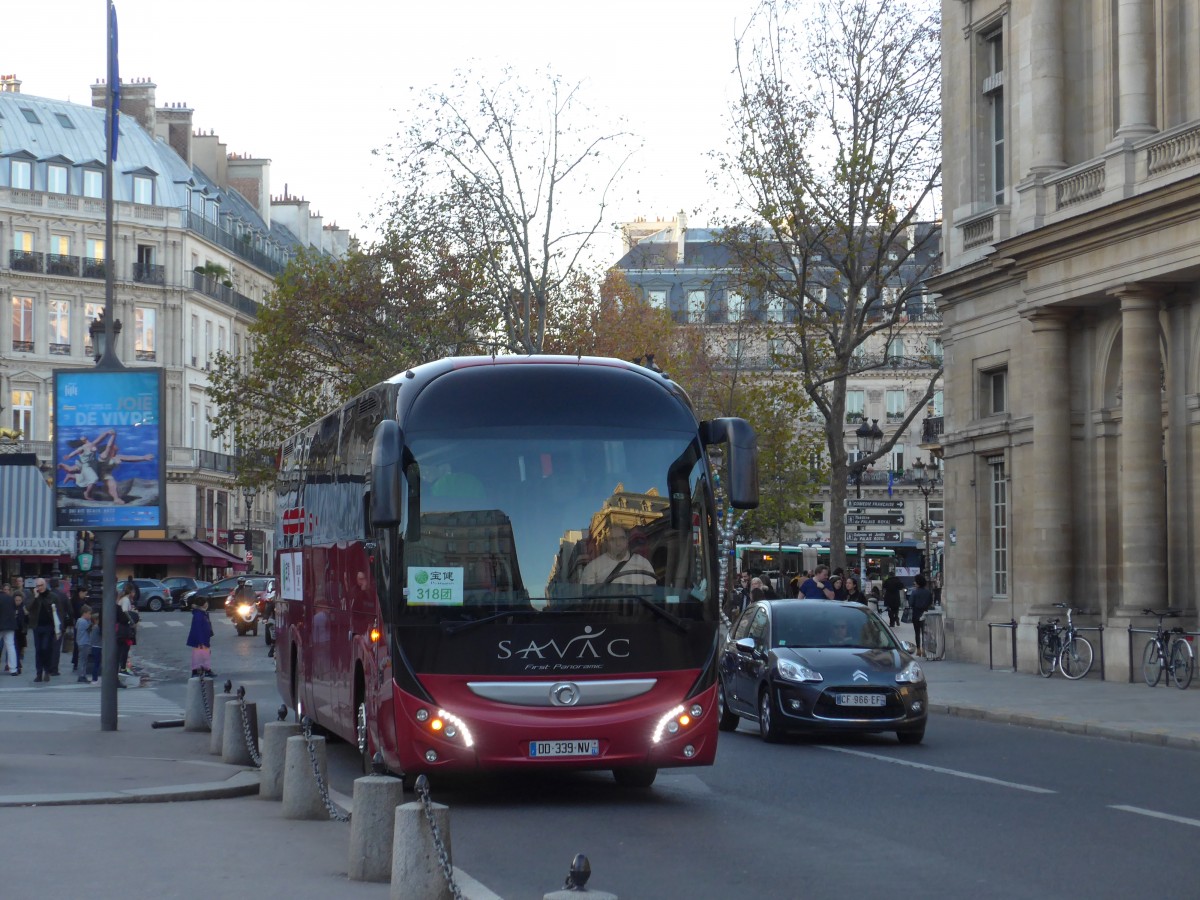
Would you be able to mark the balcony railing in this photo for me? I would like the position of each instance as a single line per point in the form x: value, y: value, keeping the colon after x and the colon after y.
x: 60, y: 349
x: 22, y: 346
x: 148, y: 273
x: 214, y: 461
x: 58, y: 264
x: 25, y: 260
x: 239, y: 246
x: 144, y: 355
x: 932, y: 429
x: 93, y: 268
x: 226, y: 295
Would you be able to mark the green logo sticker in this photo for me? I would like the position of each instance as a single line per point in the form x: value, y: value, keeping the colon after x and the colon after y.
x: 422, y: 577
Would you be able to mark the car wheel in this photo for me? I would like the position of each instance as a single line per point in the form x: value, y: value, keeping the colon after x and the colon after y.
x: 912, y: 736
x: 768, y: 727
x: 635, y: 776
x: 156, y: 604
x: 728, y: 719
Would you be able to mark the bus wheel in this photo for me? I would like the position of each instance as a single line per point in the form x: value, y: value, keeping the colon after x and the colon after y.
x: 635, y: 776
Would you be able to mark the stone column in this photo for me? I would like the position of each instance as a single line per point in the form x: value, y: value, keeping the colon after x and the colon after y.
x: 1180, y: 543
x: 1135, y: 73
x: 1051, y: 544
x: 1046, y: 50
x: 1141, y: 490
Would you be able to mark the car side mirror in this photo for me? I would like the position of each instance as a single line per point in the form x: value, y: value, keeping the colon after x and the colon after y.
x: 908, y: 646
x: 745, y: 645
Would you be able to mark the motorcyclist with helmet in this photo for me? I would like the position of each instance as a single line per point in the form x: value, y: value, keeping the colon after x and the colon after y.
x: 242, y: 606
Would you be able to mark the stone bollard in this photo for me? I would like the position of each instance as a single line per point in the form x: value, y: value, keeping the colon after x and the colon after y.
x: 274, y: 756
x: 301, y: 796
x: 375, y: 800
x: 233, y: 744
x: 217, y: 739
x: 200, y: 691
x: 416, y: 870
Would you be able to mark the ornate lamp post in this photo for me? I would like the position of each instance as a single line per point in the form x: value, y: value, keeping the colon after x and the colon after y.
x: 926, y: 474
x: 249, y: 492
x: 869, y: 437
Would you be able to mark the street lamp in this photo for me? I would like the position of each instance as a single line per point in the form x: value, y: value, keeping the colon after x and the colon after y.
x: 249, y: 492
x: 100, y: 337
x: 925, y: 474
x: 869, y: 437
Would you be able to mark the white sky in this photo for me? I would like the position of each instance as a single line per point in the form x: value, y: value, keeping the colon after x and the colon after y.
x: 315, y: 85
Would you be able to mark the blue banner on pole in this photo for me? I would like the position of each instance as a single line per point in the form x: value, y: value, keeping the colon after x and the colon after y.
x: 114, y: 81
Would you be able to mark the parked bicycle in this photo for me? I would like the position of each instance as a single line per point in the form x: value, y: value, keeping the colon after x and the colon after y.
x: 1170, y: 650
x: 1063, y: 648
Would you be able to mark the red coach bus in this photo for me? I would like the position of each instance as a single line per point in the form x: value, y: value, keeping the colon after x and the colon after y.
x: 508, y: 563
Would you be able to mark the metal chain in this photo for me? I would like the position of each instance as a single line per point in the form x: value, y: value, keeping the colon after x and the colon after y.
x: 247, y: 733
x: 322, y: 788
x: 208, y: 713
x: 422, y: 787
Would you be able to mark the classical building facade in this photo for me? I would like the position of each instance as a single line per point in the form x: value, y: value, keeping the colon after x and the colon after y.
x: 686, y: 271
x: 1071, y: 299
x: 198, y: 241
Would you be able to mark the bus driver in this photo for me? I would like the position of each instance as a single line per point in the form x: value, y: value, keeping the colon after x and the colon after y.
x: 617, y: 565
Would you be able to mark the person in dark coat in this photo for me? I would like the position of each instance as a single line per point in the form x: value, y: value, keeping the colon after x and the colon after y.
x: 67, y: 614
x: 893, y: 587
x: 921, y: 600
x: 8, y: 631
x: 200, y: 640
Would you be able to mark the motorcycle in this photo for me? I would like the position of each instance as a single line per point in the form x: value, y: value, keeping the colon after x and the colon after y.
x: 245, y: 615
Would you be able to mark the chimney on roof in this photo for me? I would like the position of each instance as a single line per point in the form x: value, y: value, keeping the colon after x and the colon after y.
x: 679, y: 235
x: 251, y: 178
x: 10, y: 84
x: 137, y: 100
x: 174, y: 125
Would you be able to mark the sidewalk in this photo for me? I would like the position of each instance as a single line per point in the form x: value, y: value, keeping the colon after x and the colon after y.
x: 54, y: 758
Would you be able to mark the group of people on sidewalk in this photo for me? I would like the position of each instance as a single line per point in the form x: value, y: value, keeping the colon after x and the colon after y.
x: 821, y: 584
x: 57, y: 625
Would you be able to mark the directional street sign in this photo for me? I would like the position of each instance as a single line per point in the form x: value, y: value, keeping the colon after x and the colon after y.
x: 859, y: 503
x: 884, y: 519
x: 873, y: 537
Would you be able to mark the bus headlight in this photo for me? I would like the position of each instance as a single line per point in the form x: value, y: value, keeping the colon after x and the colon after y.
x: 446, y: 725
x: 675, y: 721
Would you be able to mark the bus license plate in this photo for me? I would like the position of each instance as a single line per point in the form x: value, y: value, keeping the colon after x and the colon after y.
x: 564, y: 748
x: 861, y: 700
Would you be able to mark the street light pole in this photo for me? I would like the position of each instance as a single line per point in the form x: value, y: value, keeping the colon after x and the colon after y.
x: 925, y: 484
x: 249, y: 492
x: 868, y: 437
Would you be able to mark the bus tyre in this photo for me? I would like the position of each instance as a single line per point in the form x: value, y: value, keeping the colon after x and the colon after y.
x: 635, y: 776
x: 362, y: 736
x: 727, y: 718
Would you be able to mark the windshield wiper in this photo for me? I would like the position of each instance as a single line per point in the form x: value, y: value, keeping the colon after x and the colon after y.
x: 682, y: 624
x: 458, y: 627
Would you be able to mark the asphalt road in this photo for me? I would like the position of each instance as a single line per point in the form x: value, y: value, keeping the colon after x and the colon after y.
x: 980, y: 810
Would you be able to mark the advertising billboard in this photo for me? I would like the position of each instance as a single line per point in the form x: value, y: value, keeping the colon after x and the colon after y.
x: 109, y: 450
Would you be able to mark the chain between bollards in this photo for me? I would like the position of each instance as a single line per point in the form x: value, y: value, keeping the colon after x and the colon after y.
x: 255, y: 757
x: 422, y: 788
x: 322, y: 788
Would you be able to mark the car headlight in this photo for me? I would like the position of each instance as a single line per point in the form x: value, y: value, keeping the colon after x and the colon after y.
x: 911, y: 674
x: 794, y: 671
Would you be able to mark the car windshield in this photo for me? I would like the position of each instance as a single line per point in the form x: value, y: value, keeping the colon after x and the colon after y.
x: 822, y: 624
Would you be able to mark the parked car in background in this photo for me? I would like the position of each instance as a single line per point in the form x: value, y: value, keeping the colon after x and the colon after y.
x: 218, y: 591
x: 183, y: 584
x: 819, y: 666
x: 154, y: 594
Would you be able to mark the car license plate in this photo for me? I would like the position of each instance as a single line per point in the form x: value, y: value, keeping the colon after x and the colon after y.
x: 564, y: 748
x: 861, y: 700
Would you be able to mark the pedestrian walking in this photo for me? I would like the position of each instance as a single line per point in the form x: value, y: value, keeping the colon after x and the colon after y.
x: 96, y: 650
x: 22, y: 626
x: 921, y: 600
x: 8, y: 631
x: 893, y: 587
x: 85, y: 632
x: 47, y: 625
x: 200, y: 639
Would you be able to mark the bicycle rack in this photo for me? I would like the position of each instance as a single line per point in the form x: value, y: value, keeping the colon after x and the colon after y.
x: 1150, y: 631
x: 1010, y: 624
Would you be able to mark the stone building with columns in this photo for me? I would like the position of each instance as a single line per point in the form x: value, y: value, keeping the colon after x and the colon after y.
x: 1070, y: 296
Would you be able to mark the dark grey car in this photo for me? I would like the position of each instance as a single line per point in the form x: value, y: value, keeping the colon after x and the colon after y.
x: 820, y: 666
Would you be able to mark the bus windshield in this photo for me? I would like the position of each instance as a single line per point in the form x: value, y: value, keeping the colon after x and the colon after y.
x: 555, y: 520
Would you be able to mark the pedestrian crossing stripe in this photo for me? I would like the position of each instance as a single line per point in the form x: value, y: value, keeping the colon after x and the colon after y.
x: 169, y: 623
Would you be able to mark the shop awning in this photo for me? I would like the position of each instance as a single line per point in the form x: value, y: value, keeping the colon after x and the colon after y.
x: 27, y: 511
x: 212, y: 555
x: 162, y: 552
x: 152, y: 552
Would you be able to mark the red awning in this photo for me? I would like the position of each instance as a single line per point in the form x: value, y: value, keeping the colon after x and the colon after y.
x: 212, y: 555
x: 191, y: 553
x: 133, y: 552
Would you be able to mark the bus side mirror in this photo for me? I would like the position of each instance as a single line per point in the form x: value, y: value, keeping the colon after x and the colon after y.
x: 742, y: 458
x: 387, y: 477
